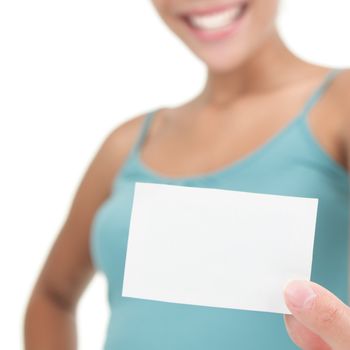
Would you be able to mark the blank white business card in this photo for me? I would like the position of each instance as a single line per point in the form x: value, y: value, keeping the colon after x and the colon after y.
x: 217, y: 248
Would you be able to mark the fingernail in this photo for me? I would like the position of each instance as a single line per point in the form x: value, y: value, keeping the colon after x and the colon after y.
x: 299, y: 294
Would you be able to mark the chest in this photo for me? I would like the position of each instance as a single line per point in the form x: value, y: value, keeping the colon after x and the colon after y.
x: 194, y: 142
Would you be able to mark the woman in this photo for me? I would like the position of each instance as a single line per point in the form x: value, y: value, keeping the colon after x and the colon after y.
x: 266, y: 121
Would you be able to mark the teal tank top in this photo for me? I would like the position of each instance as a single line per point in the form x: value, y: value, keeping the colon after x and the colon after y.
x: 290, y: 163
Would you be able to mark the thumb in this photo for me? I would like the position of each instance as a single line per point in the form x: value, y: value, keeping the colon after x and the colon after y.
x: 320, y: 311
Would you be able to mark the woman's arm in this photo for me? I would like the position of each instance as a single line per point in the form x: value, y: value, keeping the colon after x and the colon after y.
x: 50, y: 315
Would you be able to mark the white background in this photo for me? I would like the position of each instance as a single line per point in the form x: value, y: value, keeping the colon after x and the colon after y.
x: 72, y: 70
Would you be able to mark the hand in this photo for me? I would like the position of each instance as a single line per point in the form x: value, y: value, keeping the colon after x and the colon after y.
x: 319, y: 320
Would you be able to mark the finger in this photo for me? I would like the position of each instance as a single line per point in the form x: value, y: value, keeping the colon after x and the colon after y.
x: 320, y: 311
x: 302, y: 336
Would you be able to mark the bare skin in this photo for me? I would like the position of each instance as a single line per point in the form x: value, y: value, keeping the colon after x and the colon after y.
x: 190, y: 140
x: 203, y: 135
x: 231, y: 118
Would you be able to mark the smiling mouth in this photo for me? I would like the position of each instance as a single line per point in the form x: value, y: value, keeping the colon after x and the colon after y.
x: 212, y: 20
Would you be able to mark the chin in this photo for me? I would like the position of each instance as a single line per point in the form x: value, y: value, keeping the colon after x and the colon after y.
x: 227, y: 60
x: 221, y: 33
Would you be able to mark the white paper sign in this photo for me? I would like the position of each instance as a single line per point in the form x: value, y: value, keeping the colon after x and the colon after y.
x: 218, y: 248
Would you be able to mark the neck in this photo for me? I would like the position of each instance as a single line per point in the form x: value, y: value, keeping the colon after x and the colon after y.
x: 267, y: 68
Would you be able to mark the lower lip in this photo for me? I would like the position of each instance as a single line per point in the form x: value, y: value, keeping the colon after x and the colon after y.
x: 217, y: 34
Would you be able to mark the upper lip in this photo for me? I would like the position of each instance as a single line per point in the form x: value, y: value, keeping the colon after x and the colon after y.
x: 213, y: 9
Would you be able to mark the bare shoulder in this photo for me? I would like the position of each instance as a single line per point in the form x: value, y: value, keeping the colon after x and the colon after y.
x: 120, y: 139
x: 341, y: 88
x: 341, y: 95
x: 108, y: 157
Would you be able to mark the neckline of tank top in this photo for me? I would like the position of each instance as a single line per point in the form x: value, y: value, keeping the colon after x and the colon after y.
x: 250, y: 157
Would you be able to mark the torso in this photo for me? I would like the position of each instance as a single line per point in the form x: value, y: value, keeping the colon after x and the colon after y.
x: 191, y: 139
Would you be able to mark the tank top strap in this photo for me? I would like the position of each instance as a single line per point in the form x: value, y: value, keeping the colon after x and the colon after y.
x: 318, y: 92
x: 145, y: 124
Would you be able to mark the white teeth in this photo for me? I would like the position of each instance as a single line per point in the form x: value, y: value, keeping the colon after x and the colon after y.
x: 216, y: 20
